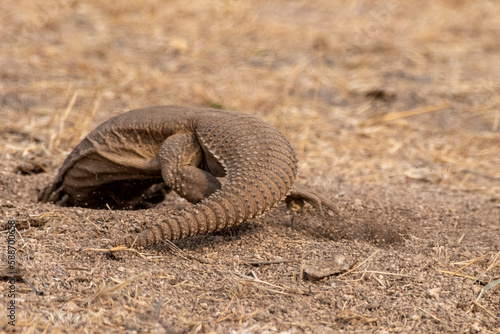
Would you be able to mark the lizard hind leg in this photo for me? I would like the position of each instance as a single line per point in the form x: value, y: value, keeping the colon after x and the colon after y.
x: 303, y: 194
x: 180, y: 158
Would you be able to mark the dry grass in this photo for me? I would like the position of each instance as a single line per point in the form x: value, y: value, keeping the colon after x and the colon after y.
x: 374, y: 92
x: 304, y: 67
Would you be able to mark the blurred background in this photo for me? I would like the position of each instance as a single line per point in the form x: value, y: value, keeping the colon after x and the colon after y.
x: 393, y: 108
x: 367, y: 91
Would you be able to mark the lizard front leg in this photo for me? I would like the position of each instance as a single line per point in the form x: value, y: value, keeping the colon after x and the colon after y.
x: 180, y: 157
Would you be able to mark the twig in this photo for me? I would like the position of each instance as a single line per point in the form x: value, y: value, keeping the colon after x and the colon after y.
x: 257, y: 263
x: 359, y: 264
x: 225, y: 310
x: 380, y: 272
x: 455, y: 274
x: 469, y: 264
x: 404, y: 114
x: 484, y: 309
x: 428, y: 313
x: 105, y: 292
x: 255, y: 280
x: 183, y: 254
x: 116, y: 249
x: 493, y: 264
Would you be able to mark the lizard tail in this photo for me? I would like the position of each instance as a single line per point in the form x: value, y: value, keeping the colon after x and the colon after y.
x: 260, y: 169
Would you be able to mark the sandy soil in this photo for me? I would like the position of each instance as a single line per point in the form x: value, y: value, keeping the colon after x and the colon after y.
x: 394, y: 111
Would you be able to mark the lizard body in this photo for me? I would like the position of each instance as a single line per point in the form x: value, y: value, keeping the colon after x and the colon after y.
x: 132, y: 160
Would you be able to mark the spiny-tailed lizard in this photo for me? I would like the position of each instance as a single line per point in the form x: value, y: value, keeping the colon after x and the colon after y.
x: 132, y: 160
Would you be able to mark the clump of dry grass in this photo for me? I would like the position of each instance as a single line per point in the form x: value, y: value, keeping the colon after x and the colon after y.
x: 311, y: 77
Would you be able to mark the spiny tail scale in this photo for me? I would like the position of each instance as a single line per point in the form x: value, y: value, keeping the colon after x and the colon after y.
x: 261, y: 168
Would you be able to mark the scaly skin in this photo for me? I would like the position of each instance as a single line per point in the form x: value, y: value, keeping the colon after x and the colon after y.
x: 133, y: 159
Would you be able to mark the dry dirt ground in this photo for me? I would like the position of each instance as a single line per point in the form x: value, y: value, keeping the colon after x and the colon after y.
x: 393, y: 108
